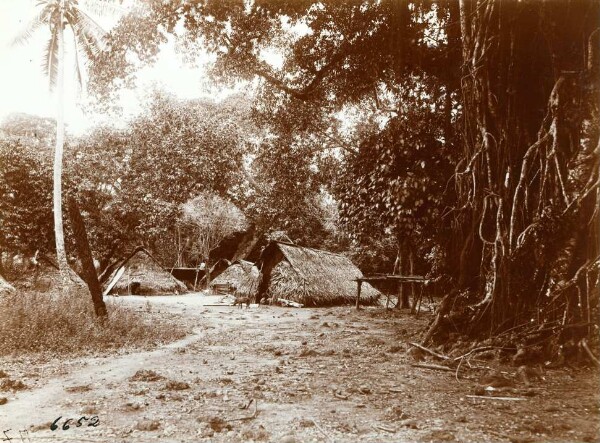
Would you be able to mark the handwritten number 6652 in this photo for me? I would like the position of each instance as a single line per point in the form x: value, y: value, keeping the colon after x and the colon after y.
x: 92, y: 421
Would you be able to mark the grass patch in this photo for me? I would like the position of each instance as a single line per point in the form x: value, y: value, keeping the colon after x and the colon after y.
x: 65, y: 324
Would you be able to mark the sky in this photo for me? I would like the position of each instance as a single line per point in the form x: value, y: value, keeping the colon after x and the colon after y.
x: 24, y: 87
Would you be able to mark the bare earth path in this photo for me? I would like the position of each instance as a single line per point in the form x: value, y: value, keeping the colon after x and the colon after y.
x: 308, y: 374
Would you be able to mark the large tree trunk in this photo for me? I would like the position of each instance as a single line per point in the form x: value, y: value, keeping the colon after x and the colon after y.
x: 85, y: 256
x: 248, y: 243
x: 530, y: 118
x: 59, y: 235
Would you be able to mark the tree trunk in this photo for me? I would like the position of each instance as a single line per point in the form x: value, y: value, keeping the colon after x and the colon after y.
x: 207, y: 273
x: 59, y: 235
x: 2, y: 270
x: 248, y: 243
x: 525, y: 141
x: 85, y: 256
x: 464, y: 13
x: 411, y: 270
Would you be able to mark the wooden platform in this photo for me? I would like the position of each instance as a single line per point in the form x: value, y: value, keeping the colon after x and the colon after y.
x: 386, y: 278
x: 399, y: 278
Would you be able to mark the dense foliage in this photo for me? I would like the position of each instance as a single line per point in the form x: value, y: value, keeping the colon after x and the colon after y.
x: 26, y: 198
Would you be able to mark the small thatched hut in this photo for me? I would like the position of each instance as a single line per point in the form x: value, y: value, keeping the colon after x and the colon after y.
x: 310, y: 276
x: 141, y: 274
x: 215, y: 270
x: 242, y: 276
x: 46, y: 277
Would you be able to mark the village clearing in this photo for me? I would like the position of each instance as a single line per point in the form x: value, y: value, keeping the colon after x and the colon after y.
x: 289, y: 375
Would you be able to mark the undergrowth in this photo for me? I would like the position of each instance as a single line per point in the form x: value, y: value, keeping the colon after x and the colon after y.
x: 65, y: 324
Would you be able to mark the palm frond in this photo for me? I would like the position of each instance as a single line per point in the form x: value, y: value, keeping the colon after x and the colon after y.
x: 80, y: 58
x: 80, y: 43
x: 86, y: 26
x: 51, y: 58
x: 87, y: 44
x: 27, y: 32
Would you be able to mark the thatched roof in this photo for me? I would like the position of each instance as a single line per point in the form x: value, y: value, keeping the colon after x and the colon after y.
x: 46, y: 277
x: 41, y: 274
x: 313, y: 277
x: 141, y: 274
x: 242, y: 275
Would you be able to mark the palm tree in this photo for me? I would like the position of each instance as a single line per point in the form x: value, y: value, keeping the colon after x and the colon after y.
x: 88, y: 39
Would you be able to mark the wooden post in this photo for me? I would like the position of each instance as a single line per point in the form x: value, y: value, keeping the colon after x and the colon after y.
x: 359, y: 283
x: 401, y: 302
x: 196, y: 277
x: 411, y: 264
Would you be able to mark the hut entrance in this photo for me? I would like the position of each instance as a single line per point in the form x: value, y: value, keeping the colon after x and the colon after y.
x: 134, y: 288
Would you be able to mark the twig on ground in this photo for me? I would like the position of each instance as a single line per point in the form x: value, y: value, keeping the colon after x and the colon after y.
x: 432, y: 366
x: 486, y: 397
x: 457, y: 369
x: 250, y: 417
x: 291, y: 303
x: 63, y: 438
x: 321, y: 430
x: 473, y: 351
x: 384, y: 428
x: 429, y: 351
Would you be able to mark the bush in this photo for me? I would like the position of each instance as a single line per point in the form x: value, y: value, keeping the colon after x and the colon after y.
x: 66, y: 324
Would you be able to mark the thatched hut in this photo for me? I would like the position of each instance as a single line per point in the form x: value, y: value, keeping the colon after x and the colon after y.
x: 310, y: 276
x: 40, y: 273
x: 242, y: 276
x: 214, y: 271
x: 46, y: 277
x: 141, y: 274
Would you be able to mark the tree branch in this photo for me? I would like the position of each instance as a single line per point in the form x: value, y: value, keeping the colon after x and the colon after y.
x: 306, y: 92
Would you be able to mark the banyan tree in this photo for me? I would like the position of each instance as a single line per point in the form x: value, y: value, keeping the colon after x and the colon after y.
x: 527, y: 182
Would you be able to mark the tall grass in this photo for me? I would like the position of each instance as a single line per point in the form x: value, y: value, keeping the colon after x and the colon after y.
x: 65, y: 324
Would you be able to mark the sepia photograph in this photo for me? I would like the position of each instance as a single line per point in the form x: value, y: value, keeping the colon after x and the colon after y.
x: 299, y: 221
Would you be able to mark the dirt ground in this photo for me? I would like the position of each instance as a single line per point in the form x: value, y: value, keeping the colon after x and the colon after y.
x: 287, y: 375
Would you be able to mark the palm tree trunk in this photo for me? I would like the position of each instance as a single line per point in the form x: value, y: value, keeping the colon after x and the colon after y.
x: 59, y: 235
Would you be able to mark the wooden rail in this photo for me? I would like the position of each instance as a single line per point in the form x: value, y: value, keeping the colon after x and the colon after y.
x: 397, y: 278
